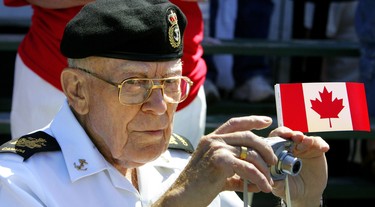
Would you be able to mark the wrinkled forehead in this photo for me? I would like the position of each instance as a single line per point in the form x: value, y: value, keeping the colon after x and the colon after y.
x: 149, y: 69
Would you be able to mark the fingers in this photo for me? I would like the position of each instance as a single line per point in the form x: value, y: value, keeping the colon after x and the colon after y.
x: 287, y: 133
x: 223, y: 165
x: 252, y: 141
x: 236, y: 132
x: 279, y: 188
x: 254, y: 164
x: 304, y: 146
x: 244, y: 123
x: 251, y: 156
x: 255, y: 170
x: 225, y: 159
x: 237, y: 183
x: 310, y: 147
x: 243, y: 153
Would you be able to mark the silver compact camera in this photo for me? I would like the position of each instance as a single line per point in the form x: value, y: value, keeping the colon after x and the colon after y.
x: 287, y: 163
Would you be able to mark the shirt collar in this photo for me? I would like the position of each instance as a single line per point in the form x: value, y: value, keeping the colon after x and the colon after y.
x: 82, y: 158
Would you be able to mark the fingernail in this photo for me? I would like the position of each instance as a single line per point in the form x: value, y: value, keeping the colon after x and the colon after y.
x: 267, y: 119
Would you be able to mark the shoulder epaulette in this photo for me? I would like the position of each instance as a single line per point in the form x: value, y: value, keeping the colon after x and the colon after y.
x: 181, y: 143
x: 26, y: 146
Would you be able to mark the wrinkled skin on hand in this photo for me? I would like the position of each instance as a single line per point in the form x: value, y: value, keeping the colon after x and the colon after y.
x: 215, y: 166
x: 310, y: 183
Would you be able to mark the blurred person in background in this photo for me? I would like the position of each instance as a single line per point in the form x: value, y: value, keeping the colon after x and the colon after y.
x: 37, y: 92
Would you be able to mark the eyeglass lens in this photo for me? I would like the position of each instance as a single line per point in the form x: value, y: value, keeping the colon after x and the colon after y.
x: 136, y: 91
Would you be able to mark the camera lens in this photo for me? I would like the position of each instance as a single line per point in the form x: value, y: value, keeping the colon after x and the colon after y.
x: 289, y: 164
x: 297, y: 167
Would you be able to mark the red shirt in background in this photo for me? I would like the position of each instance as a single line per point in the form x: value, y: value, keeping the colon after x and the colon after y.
x: 40, y: 49
x: 194, y: 65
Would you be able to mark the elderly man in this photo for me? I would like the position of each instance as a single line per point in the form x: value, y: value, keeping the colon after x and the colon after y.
x: 111, y: 144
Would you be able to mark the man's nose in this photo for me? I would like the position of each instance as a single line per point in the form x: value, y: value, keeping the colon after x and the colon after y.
x: 156, y: 102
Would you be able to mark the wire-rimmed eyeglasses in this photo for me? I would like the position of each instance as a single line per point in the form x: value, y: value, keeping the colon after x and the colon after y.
x: 134, y: 91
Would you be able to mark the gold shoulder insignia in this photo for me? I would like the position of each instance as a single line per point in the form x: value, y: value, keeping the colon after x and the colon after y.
x: 180, y: 143
x: 28, y: 145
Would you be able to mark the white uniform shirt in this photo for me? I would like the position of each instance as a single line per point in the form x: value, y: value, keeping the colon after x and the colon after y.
x: 78, y: 175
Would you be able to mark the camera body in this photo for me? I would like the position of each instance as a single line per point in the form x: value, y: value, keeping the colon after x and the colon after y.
x: 287, y: 163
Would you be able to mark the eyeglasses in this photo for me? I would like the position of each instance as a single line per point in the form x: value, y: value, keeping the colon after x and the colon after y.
x: 134, y: 91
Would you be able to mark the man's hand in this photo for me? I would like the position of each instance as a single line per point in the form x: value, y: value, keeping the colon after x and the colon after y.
x: 307, y: 187
x: 216, y: 166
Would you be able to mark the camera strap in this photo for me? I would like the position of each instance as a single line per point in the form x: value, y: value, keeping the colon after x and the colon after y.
x: 287, y: 192
x: 246, y: 193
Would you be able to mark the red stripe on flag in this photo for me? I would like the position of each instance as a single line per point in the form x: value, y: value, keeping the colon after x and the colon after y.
x: 293, y: 107
x: 358, y: 106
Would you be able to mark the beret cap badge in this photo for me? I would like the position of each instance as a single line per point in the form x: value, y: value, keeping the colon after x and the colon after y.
x: 173, y: 31
x: 140, y: 30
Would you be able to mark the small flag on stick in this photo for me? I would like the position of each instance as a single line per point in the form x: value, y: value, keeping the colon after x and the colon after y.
x: 325, y: 106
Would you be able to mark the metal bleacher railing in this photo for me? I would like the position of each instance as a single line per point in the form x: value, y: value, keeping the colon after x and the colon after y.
x: 338, y: 188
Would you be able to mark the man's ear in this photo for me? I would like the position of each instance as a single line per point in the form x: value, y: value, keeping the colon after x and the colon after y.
x: 75, y: 87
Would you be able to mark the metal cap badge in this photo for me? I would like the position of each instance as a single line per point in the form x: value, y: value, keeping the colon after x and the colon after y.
x: 174, y: 30
x: 147, y: 30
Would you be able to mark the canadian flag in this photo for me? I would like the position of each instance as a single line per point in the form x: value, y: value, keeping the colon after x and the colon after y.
x: 324, y: 106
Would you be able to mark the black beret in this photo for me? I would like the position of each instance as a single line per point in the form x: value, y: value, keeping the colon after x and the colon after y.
x: 143, y: 30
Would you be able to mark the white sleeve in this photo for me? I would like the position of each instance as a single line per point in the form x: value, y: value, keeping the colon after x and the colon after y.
x: 17, y: 188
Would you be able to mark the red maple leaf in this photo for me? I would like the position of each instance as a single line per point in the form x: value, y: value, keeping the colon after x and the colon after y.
x: 327, y: 108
